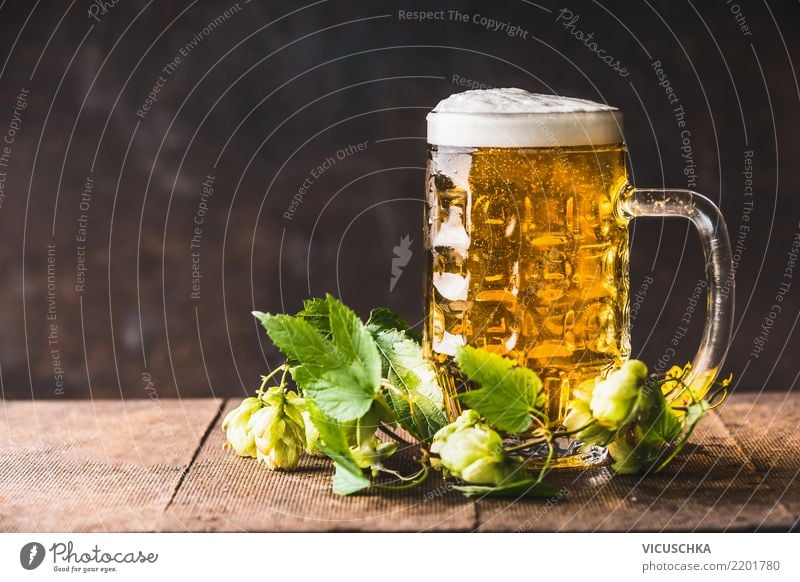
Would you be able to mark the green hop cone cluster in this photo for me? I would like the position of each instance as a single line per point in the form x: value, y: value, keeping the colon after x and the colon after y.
x: 272, y: 426
x: 279, y: 429
x: 644, y: 444
x: 372, y: 454
x: 356, y: 377
x: 601, y: 407
x: 235, y: 424
x: 470, y: 450
x: 614, y: 399
x: 366, y: 449
x: 627, y: 414
x: 313, y: 438
x: 580, y: 421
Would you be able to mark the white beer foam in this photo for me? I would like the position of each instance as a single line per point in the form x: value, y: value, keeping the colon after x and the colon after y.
x: 517, y: 118
x: 451, y: 286
x: 449, y: 344
x: 452, y: 233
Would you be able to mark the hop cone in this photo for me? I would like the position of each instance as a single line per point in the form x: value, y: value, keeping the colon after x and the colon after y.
x: 235, y: 425
x: 614, y: 399
x: 279, y: 429
x: 472, y: 451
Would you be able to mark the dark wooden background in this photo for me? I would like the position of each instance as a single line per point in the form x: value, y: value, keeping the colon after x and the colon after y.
x: 277, y: 88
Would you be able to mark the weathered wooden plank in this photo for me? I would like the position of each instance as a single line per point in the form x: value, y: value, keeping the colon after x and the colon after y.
x: 767, y: 428
x: 715, y: 488
x: 113, y: 466
x: 97, y: 465
x: 223, y: 492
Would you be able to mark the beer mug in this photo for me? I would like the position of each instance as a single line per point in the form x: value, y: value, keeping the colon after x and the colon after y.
x: 528, y: 205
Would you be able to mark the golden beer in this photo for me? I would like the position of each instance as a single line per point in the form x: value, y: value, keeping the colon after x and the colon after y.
x: 539, y: 281
x: 527, y: 214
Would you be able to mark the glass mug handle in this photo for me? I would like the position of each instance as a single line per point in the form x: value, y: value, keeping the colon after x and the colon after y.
x: 707, y: 218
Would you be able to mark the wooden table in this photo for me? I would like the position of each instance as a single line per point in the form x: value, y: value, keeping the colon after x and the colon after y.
x: 159, y: 466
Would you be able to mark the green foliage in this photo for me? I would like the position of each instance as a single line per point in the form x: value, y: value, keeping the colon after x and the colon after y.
x: 300, y: 342
x: 348, y: 477
x: 342, y: 393
x: 351, y: 336
x: 472, y: 451
x: 354, y: 377
x: 416, y: 398
x: 382, y: 318
x: 508, y: 393
x: 315, y: 311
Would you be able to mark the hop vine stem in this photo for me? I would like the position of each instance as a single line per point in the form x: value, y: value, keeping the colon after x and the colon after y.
x: 264, y: 379
x: 546, y: 439
x: 411, y: 482
x: 394, y: 435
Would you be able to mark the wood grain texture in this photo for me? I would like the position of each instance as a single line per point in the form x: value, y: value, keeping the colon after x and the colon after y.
x: 97, y: 465
x: 767, y: 429
x: 128, y: 466
x: 712, y: 489
x: 223, y: 492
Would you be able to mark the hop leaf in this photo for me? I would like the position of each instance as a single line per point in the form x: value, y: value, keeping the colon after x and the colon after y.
x: 418, y: 405
x: 508, y: 393
x: 348, y: 478
x: 315, y: 311
x: 383, y: 318
x: 631, y: 455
